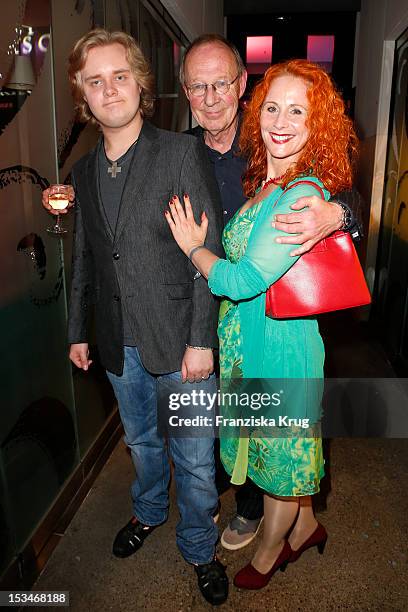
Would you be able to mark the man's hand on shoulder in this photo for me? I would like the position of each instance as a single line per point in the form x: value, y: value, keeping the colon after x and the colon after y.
x: 318, y: 220
x: 53, y: 211
x: 197, y: 364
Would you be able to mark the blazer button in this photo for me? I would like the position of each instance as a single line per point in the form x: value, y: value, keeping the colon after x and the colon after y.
x: 116, y: 298
x: 116, y: 255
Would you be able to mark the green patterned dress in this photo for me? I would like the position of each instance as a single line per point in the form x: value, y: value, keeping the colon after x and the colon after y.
x: 253, y: 346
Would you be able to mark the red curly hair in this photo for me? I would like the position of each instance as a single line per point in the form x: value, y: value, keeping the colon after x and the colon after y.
x: 331, y: 148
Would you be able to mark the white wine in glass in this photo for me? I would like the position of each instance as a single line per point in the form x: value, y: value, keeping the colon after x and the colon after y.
x: 58, y: 199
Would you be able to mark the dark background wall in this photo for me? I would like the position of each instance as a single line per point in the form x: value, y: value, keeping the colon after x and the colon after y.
x: 290, y: 32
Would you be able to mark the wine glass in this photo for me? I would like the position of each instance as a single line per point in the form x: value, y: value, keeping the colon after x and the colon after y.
x: 58, y: 199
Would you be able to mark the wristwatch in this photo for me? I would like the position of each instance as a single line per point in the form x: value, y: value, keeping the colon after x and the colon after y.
x: 347, y: 218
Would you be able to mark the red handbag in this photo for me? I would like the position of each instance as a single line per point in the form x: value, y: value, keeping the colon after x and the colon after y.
x: 329, y: 277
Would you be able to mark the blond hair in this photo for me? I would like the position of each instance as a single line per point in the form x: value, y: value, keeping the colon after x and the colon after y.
x: 139, y: 65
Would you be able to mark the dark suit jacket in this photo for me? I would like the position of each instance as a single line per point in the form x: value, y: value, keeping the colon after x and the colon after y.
x: 141, y: 266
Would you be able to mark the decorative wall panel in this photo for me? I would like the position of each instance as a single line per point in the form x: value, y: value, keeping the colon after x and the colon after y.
x: 38, y: 438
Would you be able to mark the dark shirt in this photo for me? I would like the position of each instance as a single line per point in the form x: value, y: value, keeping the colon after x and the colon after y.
x: 229, y: 168
x: 110, y: 194
x: 110, y: 188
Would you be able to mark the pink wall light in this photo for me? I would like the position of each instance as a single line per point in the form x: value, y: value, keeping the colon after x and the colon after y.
x: 320, y: 49
x: 258, y: 53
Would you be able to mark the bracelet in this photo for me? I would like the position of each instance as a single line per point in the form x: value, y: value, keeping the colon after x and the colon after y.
x: 200, y: 348
x: 201, y: 246
x: 346, y: 219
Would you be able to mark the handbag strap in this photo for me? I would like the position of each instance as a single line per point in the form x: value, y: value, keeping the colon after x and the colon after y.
x: 301, y: 182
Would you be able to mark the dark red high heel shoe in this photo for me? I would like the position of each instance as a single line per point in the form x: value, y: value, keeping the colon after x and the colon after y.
x: 318, y: 538
x: 249, y: 578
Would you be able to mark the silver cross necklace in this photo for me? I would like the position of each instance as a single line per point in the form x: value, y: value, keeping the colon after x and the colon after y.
x: 116, y: 167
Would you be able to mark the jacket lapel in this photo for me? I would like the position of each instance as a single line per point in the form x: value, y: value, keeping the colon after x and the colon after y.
x: 92, y: 181
x: 136, y: 181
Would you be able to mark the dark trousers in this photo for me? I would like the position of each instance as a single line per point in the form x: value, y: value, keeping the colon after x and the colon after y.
x: 249, y: 497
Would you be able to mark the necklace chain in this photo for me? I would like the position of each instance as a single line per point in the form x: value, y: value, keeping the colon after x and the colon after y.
x: 121, y: 157
x: 114, y: 167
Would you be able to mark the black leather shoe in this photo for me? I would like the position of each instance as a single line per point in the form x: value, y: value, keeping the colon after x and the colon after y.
x: 130, y: 538
x: 213, y: 581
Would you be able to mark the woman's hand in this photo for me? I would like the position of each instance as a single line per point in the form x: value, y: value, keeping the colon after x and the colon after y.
x: 186, y: 232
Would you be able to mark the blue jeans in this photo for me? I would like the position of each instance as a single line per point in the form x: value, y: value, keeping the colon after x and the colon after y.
x: 193, y: 458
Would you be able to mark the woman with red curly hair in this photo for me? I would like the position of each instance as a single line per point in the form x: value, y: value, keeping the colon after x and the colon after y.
x: 294, y: 128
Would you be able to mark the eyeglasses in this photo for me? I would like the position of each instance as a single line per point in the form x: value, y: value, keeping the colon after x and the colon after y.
x: 221, y: 87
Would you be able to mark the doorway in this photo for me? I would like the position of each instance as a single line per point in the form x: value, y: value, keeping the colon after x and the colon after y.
x: 392, y: 264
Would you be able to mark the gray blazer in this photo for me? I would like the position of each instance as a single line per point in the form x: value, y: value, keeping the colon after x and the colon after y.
x: 141, y: 265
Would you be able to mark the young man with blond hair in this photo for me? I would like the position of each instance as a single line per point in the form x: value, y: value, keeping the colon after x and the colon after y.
x: 155, y: 318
